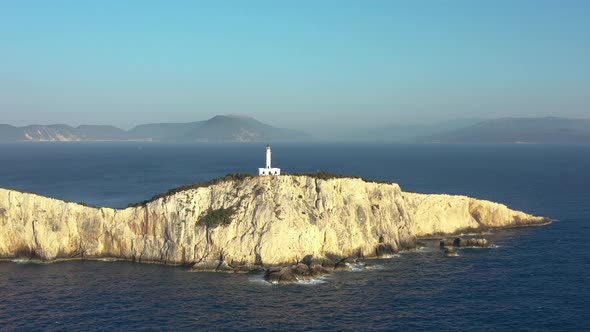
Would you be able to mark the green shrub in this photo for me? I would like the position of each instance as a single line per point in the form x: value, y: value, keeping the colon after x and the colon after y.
x: 322, y: 175
x: 213, y: 218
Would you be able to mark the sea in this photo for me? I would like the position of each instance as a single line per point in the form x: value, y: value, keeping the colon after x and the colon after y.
x: 534, y: 279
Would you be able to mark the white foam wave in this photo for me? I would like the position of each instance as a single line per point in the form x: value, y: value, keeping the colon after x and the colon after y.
x: 311, y: 282
x: 25, y: 261
x: 107, y: 259
x: 360, y: 267
x: 491, y: 246
x: 477, y: 234
x: 355, y: 267
x: 259, y: 279
x: 390, y: 256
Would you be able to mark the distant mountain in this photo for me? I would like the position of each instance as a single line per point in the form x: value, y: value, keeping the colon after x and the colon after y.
x: 231, y: 128
x: 217, y: 129
x: 59, y: 132
x: 241, y: 129
x: 10, y: 133
x: 518, y: 130
x: 406, y: 132
x: 163, y: 131
x: 86, y: 132
x: 220, y: 128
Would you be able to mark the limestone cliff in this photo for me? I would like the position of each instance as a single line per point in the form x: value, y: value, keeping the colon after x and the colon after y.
x: 273, y: 220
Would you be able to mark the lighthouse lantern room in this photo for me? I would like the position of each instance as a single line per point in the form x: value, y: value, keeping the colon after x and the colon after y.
x: 268, y: 170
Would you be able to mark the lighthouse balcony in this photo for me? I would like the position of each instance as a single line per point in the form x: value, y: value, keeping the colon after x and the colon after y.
x: 269, y: 171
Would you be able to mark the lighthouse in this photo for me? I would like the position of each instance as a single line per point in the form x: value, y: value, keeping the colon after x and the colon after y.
x: 268, y: 170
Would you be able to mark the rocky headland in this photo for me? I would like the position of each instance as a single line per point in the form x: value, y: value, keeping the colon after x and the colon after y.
x: 308, y: 223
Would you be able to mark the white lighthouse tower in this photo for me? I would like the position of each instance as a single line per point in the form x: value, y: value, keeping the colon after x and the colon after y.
x: 268, y: 170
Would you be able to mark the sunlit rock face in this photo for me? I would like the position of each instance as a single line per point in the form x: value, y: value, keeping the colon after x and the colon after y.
x: 243, y: 224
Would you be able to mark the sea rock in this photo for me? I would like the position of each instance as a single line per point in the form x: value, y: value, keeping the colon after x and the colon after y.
x: 472, y: 242
x: 206, y: 266
x: 247, y: 268
x: 294, y: 273
x: 212, y: 266
x: 282, y: 275
x: 466, y: 243
x: 318, y: 271
x: 257, y: 221
x: 384, y: 250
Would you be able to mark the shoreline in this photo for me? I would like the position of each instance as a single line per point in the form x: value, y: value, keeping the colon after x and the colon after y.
x: 17, y: 260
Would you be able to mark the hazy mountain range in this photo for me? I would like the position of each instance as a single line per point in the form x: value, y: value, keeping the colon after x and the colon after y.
x: 221, y: 128
x: 517, y: 130
x: 230, y: 128
x: 406, y: 133
x: 501, y: 131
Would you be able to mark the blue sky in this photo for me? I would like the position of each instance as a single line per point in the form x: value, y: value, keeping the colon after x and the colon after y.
x: 302, y: 64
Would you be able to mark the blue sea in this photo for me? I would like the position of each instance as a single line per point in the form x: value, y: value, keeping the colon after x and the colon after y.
x: 537, y: 278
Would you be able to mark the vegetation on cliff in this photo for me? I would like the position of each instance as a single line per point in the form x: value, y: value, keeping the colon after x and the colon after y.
x: 228, y: 177
x: 321, y: 175
x: 213, y: 218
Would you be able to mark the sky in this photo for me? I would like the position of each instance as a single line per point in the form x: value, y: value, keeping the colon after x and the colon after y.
x: 320, y: 66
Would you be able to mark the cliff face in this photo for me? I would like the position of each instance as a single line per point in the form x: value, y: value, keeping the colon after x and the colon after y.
x: 275, y: 220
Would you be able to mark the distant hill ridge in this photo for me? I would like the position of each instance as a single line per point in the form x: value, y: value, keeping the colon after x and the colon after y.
x: 241, y: 128
x: 518, y: 130
x: 220, y: 128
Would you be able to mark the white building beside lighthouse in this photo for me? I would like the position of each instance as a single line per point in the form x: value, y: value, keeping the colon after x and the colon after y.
x: 268, y: 170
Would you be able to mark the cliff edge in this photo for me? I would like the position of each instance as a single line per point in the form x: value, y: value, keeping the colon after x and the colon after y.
x: 244, y: 223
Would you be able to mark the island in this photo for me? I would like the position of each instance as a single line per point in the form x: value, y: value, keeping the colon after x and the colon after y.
x: 311, y: 223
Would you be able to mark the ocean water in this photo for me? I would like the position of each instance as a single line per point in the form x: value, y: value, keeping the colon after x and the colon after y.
x: 537, y: 278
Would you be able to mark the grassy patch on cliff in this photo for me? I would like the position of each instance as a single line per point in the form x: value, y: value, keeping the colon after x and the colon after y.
x: 228, y: 177
x: 322, y: 175
x: 213, y: 218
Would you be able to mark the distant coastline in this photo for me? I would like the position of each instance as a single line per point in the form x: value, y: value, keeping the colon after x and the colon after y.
x: 221, y: 128
x: 231, y: 128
